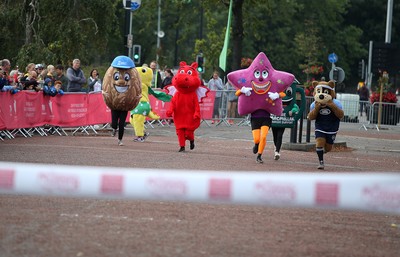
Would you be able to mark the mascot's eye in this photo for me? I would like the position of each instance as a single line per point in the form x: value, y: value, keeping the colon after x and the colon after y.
x: 257, y: 74
x: 181, y: 71
x: 265, y: 74
x: 326, y: 91
x: 289, y: 91
x: 127, y: 77
x: 190, y: 72
x: 143, y: 70
x: 116, y: 76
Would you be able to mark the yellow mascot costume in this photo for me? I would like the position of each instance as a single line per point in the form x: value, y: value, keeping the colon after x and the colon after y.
x: 143, y: 109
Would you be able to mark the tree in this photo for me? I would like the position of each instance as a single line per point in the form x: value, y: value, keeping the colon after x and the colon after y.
x: 57, y: 33
x: 289, y: 32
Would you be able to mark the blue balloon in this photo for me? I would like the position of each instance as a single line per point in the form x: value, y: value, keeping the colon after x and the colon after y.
x: 123, y: 62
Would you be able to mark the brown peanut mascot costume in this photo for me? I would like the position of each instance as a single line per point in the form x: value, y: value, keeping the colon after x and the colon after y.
x: 327, y: 112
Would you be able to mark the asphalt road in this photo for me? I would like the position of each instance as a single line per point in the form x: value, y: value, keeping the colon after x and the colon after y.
x: 56, y: 226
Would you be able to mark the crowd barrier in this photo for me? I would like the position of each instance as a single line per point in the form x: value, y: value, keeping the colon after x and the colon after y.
x: 27, y: 111
x: 376, y: 192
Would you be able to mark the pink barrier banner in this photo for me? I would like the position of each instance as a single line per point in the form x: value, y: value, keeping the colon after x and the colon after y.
x: 159, y: 107
x: 69, y: 110
x: 27, y: 109
x: 23, y: 110
x: 99, y: 112
x: 207, y: 106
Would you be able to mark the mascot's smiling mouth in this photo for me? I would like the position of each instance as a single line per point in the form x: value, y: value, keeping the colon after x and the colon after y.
x: 120, y: 89
x: 261, y: 88
x: 287, y: 101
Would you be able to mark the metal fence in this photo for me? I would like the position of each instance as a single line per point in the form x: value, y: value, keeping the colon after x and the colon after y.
x: 355, y: 111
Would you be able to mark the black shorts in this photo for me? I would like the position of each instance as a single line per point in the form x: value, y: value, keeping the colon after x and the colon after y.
x: 257, y: 123
x: 330, y: 138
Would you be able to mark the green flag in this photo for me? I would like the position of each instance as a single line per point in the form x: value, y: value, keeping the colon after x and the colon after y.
x: 224, y: 52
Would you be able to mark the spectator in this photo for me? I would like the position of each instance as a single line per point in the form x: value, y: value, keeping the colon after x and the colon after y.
x: 94, y: 81
x: 48, y: 75
x: 215, y: 84
x: 39, y: 70
x: 29, y: 67
x: 4, y: 83
x: 41, y: 77
x: 168, y: 78
x: 6, y: 66
x: 75, y: 76
x: 363, y: 92
x: 20, y: 77
x: 52, y: 90
x: 59, y: 75
x: 156, y: 82
x: 14, y: 74
x: 51, y: 72
x: 58, y: 85
x: 31, y: 82
x: 232, y: 102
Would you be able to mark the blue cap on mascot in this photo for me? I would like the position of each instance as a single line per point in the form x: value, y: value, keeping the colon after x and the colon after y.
x: 123, y: 62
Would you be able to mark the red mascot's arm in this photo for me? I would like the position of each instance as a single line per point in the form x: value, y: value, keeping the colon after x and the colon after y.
x: 197, y: 108
x: 171, y: 109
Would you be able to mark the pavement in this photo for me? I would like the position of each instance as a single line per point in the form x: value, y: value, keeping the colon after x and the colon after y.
x: 356, y: 136
x: 56, y: 226
x: 218, y: 147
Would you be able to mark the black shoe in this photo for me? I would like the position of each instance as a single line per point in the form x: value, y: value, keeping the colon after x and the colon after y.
x: 321, y: 165
x: 182, y: 149
x: 192, y: 145
x: 258, y: 159
x: 255, y: 148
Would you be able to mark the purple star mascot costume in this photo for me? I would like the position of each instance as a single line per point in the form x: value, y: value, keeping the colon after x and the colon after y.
x: 260, y: 89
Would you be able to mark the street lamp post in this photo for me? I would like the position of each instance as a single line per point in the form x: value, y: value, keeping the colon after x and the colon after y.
x: 159, y: 32
x: 130, y: 37
x: 131, y: 5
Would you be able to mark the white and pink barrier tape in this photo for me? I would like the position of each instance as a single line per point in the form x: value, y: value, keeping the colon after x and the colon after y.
x: 376, y: 192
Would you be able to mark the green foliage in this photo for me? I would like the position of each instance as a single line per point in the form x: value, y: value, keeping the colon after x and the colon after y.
x: 293, y: 33
x: 212, y: 45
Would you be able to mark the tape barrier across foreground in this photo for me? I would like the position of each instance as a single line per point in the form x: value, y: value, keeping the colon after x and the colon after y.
x: 378, y: 192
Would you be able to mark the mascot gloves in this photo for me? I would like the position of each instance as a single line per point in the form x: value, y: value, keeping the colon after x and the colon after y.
x: 273, y: 96
x: 246, y: 90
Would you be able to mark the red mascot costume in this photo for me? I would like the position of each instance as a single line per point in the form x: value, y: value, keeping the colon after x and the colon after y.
x: 187, y: 92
